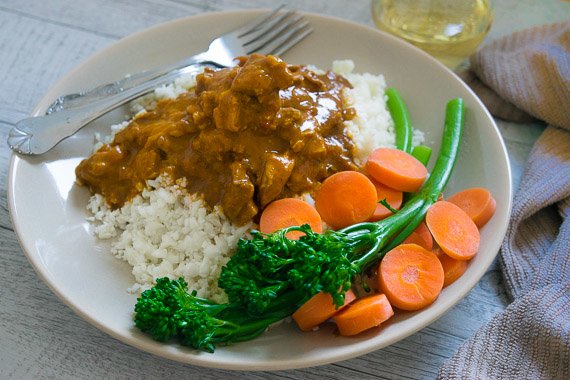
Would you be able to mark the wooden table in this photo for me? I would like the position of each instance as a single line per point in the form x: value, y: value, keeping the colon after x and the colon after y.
x: 40, y: 337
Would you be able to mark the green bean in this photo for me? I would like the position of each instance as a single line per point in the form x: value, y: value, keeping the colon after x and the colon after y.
x: 422, y: 153
x: 428, y: 195
x: 402, y: 121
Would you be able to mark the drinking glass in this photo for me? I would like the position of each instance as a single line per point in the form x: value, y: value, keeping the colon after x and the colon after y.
x: 449, y: 30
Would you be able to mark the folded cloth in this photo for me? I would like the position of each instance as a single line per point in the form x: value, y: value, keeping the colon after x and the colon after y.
x: 519, y: 77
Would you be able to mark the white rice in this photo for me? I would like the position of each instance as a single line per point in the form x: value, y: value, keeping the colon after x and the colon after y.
x: 166, y: 232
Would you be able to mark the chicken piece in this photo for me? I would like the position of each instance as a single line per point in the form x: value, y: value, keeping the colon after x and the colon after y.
x: 262, y: 75
x: 213, y: 144
x: 276, y: 173
x: 237, y: 201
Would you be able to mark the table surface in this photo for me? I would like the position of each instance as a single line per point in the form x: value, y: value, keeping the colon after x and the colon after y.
x: 40, y: 337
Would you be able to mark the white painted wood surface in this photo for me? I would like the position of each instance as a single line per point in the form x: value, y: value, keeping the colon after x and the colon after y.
x: 41, y: 338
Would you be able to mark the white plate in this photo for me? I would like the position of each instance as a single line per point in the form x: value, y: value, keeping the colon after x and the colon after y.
x: 48, y: 210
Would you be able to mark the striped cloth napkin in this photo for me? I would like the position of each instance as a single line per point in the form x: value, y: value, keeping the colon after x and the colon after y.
x: 520, y: 77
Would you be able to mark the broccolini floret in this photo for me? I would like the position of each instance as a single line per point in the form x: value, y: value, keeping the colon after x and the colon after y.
x: 169, y: 311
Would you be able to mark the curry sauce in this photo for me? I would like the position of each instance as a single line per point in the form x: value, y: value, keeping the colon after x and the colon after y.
x: 242, y: 138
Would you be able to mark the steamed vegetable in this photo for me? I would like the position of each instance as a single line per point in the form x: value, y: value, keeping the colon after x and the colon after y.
x: 289, y: 212
x: 168, y: 311
x: 362, y: 314
x: 422, y: 153
x: 270, y: 276
x: 401, y: 118
x: 399, y: 169
x: 453, y: 230
x: 477, y: 202
x: 346, y: 198
x: 452, y: 268
x: 387, y: 195
x: 318, y: 309
x: 411, y: 277
x: 421, y: 236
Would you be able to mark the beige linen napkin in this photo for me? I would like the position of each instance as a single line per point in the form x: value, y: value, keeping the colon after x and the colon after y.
x: 522, y: 76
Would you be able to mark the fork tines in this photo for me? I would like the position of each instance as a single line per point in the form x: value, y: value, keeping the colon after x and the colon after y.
x: 276, y: 32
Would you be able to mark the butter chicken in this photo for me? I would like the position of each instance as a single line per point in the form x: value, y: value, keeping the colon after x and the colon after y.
x: 242, y: 138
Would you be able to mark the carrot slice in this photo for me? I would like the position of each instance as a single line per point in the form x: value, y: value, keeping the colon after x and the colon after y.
x: 397, y: 169
x: 288, y: 212
x: 318, y: 309
x: 392, y: 196
x: 477, y: 202
x: 410, y: 276
x: 421, y: 236
x: 346, y: 198
x: 453, y: 230
x: 363, y: 314
x: 452, y: 268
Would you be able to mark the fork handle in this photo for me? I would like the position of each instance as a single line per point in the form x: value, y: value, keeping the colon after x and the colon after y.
x: 37, y: 135
x: 74, y: 100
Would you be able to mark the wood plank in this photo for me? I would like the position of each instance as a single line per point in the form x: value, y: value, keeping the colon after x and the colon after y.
x: 111, y: 18
x: 105, y: 18
x: 34, y: 55
x: 357, y: 11
x: 8, y: 238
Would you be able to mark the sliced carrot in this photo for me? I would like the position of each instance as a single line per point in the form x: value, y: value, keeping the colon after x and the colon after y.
x: 318, y: 309
x: 346, y: 198
x: 288, y: 212
x: 397, y: 169
x: 453, y: 230
x: 421, y: 236
x: 392, y: 196
x: 363, y: 314
x: 477, y: 202
x: 416, y: 238
x: 452, y: 268
x: 410, y: 276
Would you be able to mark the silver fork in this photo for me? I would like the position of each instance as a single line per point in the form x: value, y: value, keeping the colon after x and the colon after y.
x: 273, y: 33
